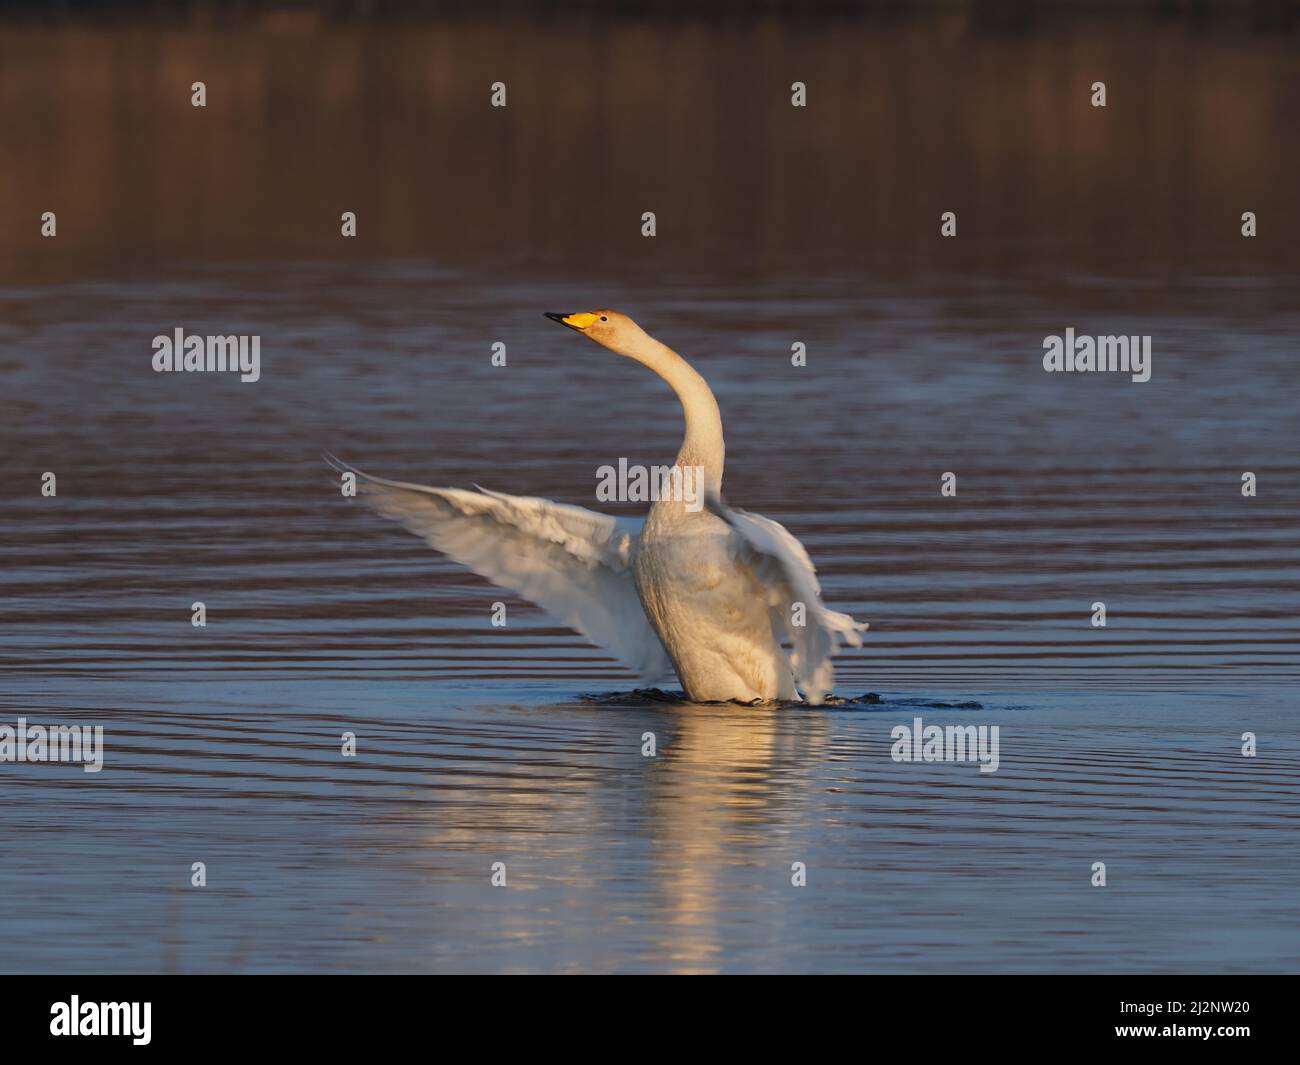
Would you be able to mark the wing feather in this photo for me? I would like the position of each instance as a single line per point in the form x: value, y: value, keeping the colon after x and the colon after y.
x: 572, y: 562
x: 783, y: 571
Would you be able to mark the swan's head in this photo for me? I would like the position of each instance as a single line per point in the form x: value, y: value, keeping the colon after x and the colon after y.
x: 615, y: 331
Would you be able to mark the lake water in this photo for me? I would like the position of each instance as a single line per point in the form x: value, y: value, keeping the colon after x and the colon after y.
x: 481, y: 744
x: 522, y: 744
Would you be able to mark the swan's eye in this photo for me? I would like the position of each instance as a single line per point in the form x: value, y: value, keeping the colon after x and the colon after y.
x: 603, y: 318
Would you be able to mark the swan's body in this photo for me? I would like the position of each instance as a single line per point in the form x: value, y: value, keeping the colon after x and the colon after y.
x: 712, y: 591
x: 708, y: 612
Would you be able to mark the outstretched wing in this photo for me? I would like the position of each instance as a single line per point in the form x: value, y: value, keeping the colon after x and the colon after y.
x: 574, y: 563
x: 783, y: 571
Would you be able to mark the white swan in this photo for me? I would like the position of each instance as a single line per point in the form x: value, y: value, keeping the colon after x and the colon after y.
x: 710, y: 591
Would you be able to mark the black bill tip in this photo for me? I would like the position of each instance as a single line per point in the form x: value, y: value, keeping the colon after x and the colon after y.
x: 556, y: 316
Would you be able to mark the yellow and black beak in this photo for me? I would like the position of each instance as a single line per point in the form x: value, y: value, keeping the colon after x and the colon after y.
x: 578, y: 320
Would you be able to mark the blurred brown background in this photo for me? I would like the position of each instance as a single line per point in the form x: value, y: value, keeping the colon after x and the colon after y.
x: 913, y: 109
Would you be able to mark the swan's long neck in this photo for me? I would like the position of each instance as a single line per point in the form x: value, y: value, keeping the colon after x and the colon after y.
x: 702, y: 446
